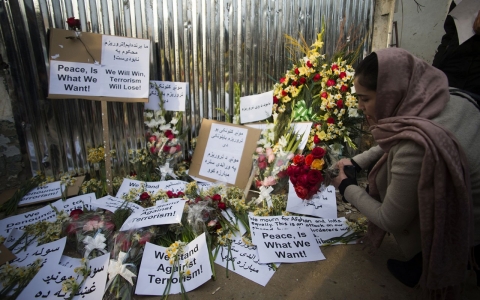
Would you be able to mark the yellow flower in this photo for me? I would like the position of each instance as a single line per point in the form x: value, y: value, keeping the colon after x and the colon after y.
x: 317, y: 164
x: 187, y: 272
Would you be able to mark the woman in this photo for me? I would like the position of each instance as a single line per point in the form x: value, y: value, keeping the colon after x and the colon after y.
x: 426, y: 169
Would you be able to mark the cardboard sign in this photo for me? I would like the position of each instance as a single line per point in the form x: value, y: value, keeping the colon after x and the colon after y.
x: 99, y: 67
x: 243, y: 260
x: 5, y: 254
x: 45, y: 213
x: 224, y: 153
x: 48, y: 281
x: 256, y: 107
x: 301, y: 128
x: 78, y: 202
x: 323, y: 204
x: 155, y: 269
x: 163, y: 213
x: 48, y: 192
x: 173, y: 95
x: 112, y: 204
x: 290, y: 245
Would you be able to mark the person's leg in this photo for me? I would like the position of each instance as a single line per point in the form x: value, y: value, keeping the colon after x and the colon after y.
x: 407, y: 272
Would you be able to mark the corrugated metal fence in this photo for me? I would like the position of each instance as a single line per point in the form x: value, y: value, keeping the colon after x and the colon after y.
x: 210, y: 44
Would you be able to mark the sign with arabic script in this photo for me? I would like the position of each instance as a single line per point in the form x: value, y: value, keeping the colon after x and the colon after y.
x: 323, y: 204
x: 256, y: 107
x: 173, y: 95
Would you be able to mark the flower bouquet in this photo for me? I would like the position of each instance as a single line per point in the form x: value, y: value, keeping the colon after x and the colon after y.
x: 123, y: 269
x: 306, y: 173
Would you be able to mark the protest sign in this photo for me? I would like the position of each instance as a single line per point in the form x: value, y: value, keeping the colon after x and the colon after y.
x: 128, y: 184
x: 243, y: 260
x: 69, y: 262
x: 112, y: 204
x: 48, y: 281
x: 224, y: 152
x: 163, y: 213
x: 156, y: 270
x: 173, y: 95
x: 78, y: 202
x: 43, y: 193
x: 323, y: 204
x: 98, y: 67
x: 289, y: 245
x: 322, y: 229
x: 21, y: 243
x: 256, y: 107
x: 45, y: 213
x: 50, y: 253
x: 302, y: 129
x: 174, y: 186
x: 230, y: 216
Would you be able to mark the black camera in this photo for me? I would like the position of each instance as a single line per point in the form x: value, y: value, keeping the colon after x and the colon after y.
x: 350, y: 171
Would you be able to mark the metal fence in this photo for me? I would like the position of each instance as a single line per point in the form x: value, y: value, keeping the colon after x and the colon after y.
x: 211, y: 44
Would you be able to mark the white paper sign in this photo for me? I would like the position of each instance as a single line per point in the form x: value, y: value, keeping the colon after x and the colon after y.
x: 155, y: 270
x: 244, y: 261
x: 78, y: 202
x: 47, y: 284
x: 42, y: 193
x: 127, y: 185
x: 73, y: 78
x: 50, y: 254
x: 163, y: 213
x: 112, y: 204
x: 323, y: 204
x: 230, y: 216
x: 290, y: 245
x: 173, y: 95
x: 125, y: 67
x: 69, y: 262
x: 14, y: 236
x: 301, y: 128
x: 256, y: 107
x: 223, y: 153
x: 174, y: 186
x: 45, y: 213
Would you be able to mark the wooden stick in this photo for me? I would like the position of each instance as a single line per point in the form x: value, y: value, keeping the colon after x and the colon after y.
x: 106, y: 144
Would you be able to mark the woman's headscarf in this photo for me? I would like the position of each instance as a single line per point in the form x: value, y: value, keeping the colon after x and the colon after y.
x: 410, y: 93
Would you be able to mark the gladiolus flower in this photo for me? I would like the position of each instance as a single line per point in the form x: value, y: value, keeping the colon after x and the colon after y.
x: 317, y: 77
x: 275, y: 99
x: 324, y: 95
x: 340, y: 104
x: 334, y: 67
x: 309, y: 64
x: 302, y: 80
x: 342, y: 75
x: 344, y: 88
x: 330, y: 120
x: 297, y: 71
x: 330, y: 82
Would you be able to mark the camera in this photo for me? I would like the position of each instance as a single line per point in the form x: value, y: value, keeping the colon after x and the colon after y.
x: 350, y: 171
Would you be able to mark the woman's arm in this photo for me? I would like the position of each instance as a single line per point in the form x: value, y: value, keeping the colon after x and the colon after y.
x: 400, y: 205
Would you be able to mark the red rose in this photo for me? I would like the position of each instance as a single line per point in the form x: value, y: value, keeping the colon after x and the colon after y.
x: 309, y: 64
x: 144, y: 196
x: 217, y: 197
x: 302, y: 80
x: 318, y: 152
x: 282, y: 174
x: 330, y: 82
x: 342, y: 75
x: 146, y: 238
x: 334, y: 67
x: 298, y: 159
x: 301, y: 192
x: 110, y: 226
x: 258, y: 183
x: 180, y: 194
x: 126, y: 244
x: 166, y: 148
x: 308, y: 159
x: 302, y: 179
x: 330, y: 120
x: 73, y: 23
x: 293, y: 171
x: 75, y: 214
x: 198, y: 199
x: 297, y: 71
x: 153, y: 149
x: 317, y: 77
x: 344, y: 88
x: 261, y: 158
x: 170, y: 194
x: 314, y: 177
x: 340, y: 104
x: 275, y: 99
x: 294, y: 83
x: 316, y: 139
x: 293, y: 180
x: 133, y: 173
x: 324, y: 95
x: 71, y: 229
x: 152, y: 139
x: 283, y: 79
x: 284, y: 93
x: 262, y: 165
x: 222, y: 206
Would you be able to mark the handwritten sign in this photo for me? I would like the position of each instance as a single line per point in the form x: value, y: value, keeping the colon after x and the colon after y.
x: 50, y: 253
x: 44, y: 193
x: 256, y: 107
x: 322, y: 229
x: 48, y: 281
x: 245, y: 262
x: 323, y: 204
x: 45, y: 213
x: 223, y: 153
x: 302, y: 129
x: 112, y: 204
x: 173, y: 95
x: 78, y: 202
x: 289, y: 245
x: 172, y: 185
x: 156, y: 270
x: 163, y: 213
x: 69, y: 262
x: 16, y: 237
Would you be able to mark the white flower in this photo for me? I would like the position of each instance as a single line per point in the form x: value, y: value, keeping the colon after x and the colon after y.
x: 353, y: 113
x: 174, y: 121
x: 148, y: 114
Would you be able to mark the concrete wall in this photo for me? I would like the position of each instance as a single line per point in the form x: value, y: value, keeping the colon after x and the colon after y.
x: 420, y: 29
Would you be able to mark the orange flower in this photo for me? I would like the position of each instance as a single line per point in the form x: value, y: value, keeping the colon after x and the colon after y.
x: 309, y: 159
x: 317, y: 164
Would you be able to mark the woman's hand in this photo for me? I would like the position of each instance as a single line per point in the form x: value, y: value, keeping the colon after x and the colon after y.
x: 341, y: 174
x: 476, y: 24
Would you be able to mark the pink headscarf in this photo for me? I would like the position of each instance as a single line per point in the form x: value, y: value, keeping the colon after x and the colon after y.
x: 410, y: 93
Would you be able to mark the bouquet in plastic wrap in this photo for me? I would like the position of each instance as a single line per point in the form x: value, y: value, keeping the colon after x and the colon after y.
x: 91, y: 232
x: 127, y: 254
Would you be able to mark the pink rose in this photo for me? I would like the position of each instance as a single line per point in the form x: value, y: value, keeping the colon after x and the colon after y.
x: 270, y: 180
x: 271, y: 158
x: 259, y: 150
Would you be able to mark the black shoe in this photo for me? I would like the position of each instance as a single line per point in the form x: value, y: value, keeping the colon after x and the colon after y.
x: 407, y: 272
